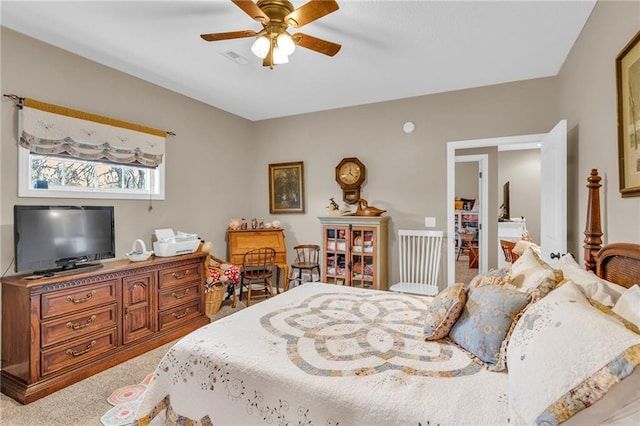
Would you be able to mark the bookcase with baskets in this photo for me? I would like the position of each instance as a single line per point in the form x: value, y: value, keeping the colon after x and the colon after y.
x: 466, y: 221
x: 354, y: 251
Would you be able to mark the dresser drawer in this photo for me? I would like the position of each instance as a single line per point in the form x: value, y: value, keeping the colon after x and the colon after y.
x: 77, y: 351
x: 69, y: 301
x: 180, y: 315
x: 181, y: 274
x: 178, y: 295
x: 77, y: 325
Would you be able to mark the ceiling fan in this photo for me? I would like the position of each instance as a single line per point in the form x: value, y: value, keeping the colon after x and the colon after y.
x: 273, y: 43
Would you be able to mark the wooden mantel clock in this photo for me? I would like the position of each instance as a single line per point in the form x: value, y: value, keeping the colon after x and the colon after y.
x: 350, y: 174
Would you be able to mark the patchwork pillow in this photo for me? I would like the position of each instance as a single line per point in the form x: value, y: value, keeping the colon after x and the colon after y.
x: 444, y: 311
x: 589, y: 283
x: 484, y: 325
x: 609, y: 311
x: 564, y: 355
x: 494, y: 274
x: 529, y: 271
x: 628, y: 305
x: 536, y: 293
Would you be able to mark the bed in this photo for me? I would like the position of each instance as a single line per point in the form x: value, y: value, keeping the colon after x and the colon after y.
x: 324, y: 354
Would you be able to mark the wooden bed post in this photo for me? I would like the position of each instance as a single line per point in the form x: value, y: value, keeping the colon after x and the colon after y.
x: 593, y: 230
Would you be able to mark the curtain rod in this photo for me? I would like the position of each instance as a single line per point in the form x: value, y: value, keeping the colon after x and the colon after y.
x: 79, y: 114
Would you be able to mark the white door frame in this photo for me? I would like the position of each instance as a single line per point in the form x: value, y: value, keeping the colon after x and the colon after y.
x: 451, y: 186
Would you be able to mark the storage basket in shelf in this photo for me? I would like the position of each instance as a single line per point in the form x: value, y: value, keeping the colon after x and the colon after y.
x: 213, y: 298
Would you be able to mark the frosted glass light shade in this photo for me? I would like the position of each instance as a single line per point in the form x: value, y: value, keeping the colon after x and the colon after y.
x: 286, y: 44
x: 260, y: 47
x: 279, y: 57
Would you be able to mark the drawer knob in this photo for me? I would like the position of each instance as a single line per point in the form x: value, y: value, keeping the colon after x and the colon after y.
x: 179, y: 276
x: 182, y: 315
x: 82, y: 352
x: 81, y: 325
x: 83, y: 299
x: 180, y: 296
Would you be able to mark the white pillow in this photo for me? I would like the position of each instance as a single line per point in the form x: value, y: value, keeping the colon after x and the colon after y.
x: 628, y: 305
x: 529, y: 271
x: 564, y: 355
x: 589, y: 283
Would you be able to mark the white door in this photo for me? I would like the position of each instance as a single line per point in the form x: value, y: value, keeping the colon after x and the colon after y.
x: 553, y: 188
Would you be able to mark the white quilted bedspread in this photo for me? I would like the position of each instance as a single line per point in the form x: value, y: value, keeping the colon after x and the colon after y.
x: 325, y: 355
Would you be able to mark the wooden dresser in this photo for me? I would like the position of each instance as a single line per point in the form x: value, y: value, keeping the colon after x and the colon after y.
x: 241, y: 241
x: 59, y: 330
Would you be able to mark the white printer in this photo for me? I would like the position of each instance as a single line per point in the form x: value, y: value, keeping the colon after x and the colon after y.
x: 169, y: 244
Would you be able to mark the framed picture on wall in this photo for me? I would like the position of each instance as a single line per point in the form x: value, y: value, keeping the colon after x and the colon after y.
x: 286, y: 188
x: 628, y: 87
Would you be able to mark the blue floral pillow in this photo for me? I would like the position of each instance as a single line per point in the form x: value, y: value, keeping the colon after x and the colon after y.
x: 484, y: 325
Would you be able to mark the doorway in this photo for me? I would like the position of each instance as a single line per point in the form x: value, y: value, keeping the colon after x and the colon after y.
x: 553, y: 228
x: 468, y: 220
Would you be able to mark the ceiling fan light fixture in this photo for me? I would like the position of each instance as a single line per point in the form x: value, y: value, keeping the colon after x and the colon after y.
x: 279, y: 57
x: 285, y: 43
x: 261, y: 47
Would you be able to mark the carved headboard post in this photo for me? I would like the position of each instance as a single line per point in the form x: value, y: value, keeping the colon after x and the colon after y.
x: 593, y: 229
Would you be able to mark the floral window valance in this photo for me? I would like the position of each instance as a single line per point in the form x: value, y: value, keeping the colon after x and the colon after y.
x: 54, y: 130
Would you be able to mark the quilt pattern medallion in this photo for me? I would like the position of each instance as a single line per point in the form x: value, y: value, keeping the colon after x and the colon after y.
x: 354, y: 334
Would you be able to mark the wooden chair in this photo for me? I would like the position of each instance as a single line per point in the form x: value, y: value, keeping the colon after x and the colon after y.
x: 256, y: 273
x: 467, y: 240
x: 307, y: 261
x: 419, y: 262
x: 507, y: 249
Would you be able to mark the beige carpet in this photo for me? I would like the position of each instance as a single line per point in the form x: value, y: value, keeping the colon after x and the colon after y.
x: 83, y: 403
x: 463, y: 272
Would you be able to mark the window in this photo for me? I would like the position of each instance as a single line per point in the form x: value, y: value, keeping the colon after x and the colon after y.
x: 67, y: 177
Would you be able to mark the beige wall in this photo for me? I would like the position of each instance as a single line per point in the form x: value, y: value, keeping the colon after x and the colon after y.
x: 587, y: 89
x: 217, y: 156
x: 467, y: 180
x: 205, y: 162
x: 522, y: 170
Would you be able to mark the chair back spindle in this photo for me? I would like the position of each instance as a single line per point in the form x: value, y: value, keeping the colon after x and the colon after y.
x: 419, y: 259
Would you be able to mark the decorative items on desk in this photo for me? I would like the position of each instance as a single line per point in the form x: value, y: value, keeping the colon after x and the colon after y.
x: 242, y: 224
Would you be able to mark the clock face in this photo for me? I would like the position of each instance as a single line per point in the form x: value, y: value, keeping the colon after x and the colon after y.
x: 349, y: 173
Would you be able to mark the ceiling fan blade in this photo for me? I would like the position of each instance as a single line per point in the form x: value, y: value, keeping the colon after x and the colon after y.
x: 309, y: 12
x: 251, y: 9
x: 229, y: 35
x: 322, y: 46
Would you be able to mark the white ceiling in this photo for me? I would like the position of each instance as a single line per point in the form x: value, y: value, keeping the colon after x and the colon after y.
x: 390, y: 49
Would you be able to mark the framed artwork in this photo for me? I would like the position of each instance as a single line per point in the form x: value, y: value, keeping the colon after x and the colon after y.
x: 286, y: 188
x: 628, y: 87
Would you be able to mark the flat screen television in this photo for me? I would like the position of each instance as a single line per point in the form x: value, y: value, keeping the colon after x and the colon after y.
x: 506, y: 209
x: 50, y: 239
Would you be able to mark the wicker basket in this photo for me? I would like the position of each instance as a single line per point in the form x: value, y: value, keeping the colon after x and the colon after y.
x: 213, y: 298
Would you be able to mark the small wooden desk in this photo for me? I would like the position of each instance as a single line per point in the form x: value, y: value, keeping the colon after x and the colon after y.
x: 241, y: 241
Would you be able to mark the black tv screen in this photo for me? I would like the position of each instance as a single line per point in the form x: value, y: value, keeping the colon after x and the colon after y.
x: 55, y: 238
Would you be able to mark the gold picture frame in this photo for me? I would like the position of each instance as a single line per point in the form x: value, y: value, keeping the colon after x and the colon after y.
x: 628, y: 88
x: 286, y: 187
